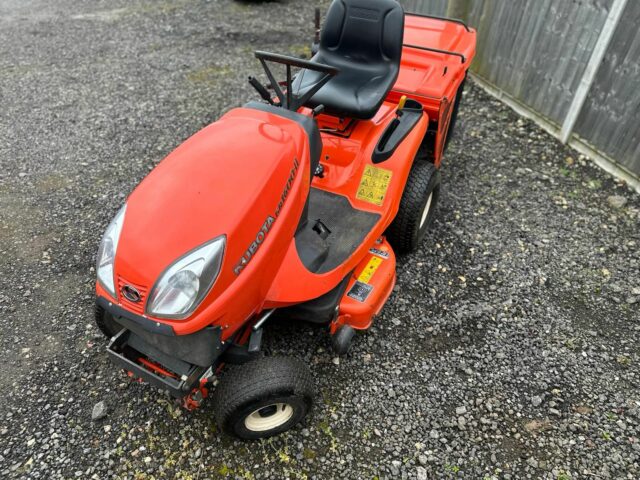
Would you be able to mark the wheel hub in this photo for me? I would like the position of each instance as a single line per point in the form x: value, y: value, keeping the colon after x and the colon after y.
x: 427, y: 208
x: 269, y: 417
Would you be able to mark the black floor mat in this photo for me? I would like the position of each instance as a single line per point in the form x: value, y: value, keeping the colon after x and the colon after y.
x: 348, y: 227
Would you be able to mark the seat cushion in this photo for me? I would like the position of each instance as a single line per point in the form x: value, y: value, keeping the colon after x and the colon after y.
x: 356, y: 92
x: 363, y: 38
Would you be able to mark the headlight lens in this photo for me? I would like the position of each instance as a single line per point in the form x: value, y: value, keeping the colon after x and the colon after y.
x: 187, y: 281
x: 107, y: 252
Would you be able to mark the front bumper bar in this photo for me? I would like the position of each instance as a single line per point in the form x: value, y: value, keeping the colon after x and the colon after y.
x: 128, y: 350
x: 153, y: 352
x: 201, y: 348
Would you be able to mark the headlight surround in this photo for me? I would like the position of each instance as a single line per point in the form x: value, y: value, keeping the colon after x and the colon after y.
x: 187, y: 281
x: 107, y: 252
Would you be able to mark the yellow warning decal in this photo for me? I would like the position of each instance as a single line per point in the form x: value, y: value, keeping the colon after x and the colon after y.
x: 373, y: 184
x: 370, y: 269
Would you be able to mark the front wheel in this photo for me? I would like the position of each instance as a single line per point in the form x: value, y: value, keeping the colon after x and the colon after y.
x: 417, y: 207
x: 105, y: 322
x: 264, y: 397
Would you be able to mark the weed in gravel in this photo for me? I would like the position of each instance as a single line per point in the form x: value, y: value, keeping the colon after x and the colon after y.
x: 209, y: 75
x: 302, y: 50
x: 451, y: 468
x: 309, y: 454
x: 326, y: 429
x: 594, y: 184
x: 623, y: 360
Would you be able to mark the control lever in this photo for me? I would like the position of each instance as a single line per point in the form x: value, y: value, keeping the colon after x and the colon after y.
x: 262, y: 91
x: 402, y: 102
x: 393, y: 124
x: 316, y: 38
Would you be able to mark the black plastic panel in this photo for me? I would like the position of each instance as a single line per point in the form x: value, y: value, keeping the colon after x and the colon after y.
x: 397, y: 131
x: 200, y: 348
x: 347, y: 226
x: 126, y: 348
x: 320, y: 310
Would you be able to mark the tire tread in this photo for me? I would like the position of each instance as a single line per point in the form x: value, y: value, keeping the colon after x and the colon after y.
x: 402, y: 231
x: 263, y: 377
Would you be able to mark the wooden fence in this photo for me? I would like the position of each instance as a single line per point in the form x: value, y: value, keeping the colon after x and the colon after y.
x: 573, y: 65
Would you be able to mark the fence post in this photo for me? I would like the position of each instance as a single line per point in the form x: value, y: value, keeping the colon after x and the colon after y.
x: 589, y: 75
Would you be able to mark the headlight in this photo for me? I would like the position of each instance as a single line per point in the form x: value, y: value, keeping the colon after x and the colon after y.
x: 107, y: 252
x: 187, y: 281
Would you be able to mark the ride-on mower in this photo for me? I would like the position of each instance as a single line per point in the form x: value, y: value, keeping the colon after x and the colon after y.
x: 290, y: 208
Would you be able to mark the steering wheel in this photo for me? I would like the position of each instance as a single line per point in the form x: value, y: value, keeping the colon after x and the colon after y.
x: 287, y: 99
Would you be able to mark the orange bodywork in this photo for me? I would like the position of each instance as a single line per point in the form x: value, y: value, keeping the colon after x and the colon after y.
x: 344, y: 161
x: 378, y: 270
x: 430, y: 77
x: 215, y: 184
x: 250, y: 165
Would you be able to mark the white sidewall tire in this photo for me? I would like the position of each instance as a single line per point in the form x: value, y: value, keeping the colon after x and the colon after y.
x: 258, y: 385
x: 269, y: 417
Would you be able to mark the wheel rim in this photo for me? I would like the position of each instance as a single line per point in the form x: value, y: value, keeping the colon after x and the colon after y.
x: 425, y: 212
x: 269, y: 417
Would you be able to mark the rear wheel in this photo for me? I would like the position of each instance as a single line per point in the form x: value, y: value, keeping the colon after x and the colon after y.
x: 264, y: 397
x: 454, y: 114
x: 417, y: 207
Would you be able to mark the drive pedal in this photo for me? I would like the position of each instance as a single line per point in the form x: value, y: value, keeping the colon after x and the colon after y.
x: 321, y: 229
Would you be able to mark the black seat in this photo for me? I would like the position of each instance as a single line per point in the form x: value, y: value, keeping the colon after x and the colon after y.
x: 363, y: 38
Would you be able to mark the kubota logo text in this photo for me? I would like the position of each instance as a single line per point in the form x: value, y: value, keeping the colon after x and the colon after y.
x: 268, y: 223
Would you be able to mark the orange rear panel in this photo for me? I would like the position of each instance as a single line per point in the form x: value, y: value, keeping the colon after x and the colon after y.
x: 430, y: 77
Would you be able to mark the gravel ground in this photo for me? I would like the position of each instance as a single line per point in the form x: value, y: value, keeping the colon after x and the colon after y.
x: 510, y: 348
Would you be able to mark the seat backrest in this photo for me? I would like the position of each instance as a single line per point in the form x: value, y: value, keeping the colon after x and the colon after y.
x: 364, y: 31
